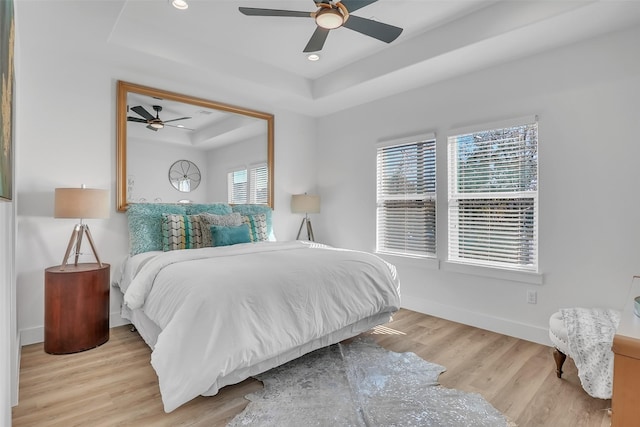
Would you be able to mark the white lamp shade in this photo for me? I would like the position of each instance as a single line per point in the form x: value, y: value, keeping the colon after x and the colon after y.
x: 305, y: 203
x: 81, y: 203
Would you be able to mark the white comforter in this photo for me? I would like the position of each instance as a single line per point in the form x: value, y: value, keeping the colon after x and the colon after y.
x: 225, y: 309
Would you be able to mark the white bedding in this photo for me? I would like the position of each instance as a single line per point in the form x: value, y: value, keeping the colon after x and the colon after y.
x: 226, y: 312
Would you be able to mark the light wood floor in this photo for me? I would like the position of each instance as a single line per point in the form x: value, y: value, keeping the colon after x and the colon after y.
x: 114, y: 384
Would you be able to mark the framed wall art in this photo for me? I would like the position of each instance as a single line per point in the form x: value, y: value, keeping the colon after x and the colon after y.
x: 7, y: 35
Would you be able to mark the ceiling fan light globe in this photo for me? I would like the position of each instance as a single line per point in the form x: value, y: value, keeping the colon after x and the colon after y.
x: 180, y: 4
x: 156, y: 125
x: 329, y: 19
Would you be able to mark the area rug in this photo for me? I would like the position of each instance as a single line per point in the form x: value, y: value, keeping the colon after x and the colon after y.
x: 362, y: 384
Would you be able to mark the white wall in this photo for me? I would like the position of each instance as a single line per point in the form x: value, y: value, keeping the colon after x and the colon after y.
x: 586, y: 97
x: 66, y: 123
x: 148, y: 166
x: 239, y: 155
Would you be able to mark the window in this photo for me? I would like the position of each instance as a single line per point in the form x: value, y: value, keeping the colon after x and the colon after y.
x: 248, y: 185
x: 259, y: 179
x: 238, y: 186
x: 406, y: 198
x: 493, y: 197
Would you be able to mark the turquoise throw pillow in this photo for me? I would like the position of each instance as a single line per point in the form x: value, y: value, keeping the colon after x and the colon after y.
x: 212, y: 208
x: 145, y: 225
x: 232, y: 235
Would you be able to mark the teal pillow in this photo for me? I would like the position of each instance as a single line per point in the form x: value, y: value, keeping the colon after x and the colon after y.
x: 212, y: 208
x: 253, y: 209
x: 230, y: 235
x: 145, y: 225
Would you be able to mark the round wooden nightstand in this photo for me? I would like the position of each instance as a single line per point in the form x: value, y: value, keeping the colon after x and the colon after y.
x: 76, y: 311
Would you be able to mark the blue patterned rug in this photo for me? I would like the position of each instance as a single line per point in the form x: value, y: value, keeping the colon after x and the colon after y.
x: 362, y: 384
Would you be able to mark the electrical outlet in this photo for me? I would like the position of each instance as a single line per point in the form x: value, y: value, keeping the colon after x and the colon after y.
x: 532, y: 297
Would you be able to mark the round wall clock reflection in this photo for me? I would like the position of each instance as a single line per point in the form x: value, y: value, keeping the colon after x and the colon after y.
x: 184, y: 175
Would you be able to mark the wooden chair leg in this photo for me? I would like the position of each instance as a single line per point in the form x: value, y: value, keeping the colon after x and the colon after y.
x: 559, y: 357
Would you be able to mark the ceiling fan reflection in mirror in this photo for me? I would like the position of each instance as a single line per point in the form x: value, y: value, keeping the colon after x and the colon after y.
x: 153, y: 123
x: 331, y: 15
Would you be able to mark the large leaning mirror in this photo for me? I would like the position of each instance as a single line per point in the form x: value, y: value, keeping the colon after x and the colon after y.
x: 232, y: 148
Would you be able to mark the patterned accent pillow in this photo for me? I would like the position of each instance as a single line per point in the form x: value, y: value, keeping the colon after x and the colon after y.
x: 145, y: 225
x: 181, y: 232
x: 225, y: 236
x: 231, y: 220
x: 257, y: 227
x: 253, y: 209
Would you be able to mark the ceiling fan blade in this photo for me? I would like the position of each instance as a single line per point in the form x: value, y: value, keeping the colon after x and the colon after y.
x: 253, y: 11
x: 378, y: 30
x: 179, y: 127
x: 141, y: 111
x: 353, y: 5
x: 173, y: 120
x: 317, y: 40
x: 136, y: 119
x: 152, y: 128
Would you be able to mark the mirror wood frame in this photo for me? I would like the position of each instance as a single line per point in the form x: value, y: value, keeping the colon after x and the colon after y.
x: 124, y: 88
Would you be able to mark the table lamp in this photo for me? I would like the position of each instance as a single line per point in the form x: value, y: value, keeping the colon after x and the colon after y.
x: 81, y: 203
x: 306, y: 204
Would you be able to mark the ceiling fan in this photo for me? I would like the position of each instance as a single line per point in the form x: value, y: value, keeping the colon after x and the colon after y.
x: 331, y: 15
x: 153, y: 123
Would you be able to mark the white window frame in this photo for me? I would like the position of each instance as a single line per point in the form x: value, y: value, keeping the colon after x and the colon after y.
x: 519, y: 226
x: 392, y: 233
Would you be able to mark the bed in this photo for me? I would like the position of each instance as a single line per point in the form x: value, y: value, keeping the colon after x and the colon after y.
x: 216, y: 315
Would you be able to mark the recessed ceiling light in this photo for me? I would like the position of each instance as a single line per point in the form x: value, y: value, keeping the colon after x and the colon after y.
x: 313, y: 57
x: 179, y: 4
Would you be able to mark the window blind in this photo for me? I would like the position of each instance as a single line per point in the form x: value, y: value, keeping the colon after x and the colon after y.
x: 238, y: 187
x: 259, y: 179
x: 248, y: 185
x: 493, y: 197
x: 406, y: 198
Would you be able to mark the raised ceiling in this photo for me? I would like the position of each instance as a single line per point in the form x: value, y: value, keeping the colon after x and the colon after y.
x: 441, y: 39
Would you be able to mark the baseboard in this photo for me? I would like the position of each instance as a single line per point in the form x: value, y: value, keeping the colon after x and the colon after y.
x: 491, y: 323
x: 116, y: 320
x: 36, y: 335
x: 32, y: 335
x: 479, y: 320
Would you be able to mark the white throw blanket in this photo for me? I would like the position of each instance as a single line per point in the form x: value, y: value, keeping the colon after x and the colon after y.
x: 225, y: 310
x: 590, y: 333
